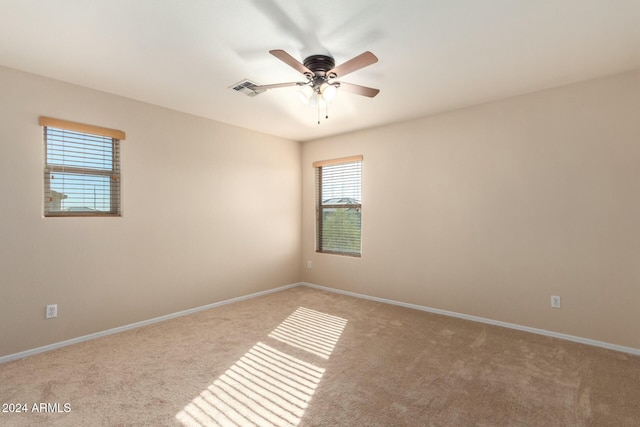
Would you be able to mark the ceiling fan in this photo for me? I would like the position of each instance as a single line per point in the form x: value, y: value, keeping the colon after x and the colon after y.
x: 321, y: 73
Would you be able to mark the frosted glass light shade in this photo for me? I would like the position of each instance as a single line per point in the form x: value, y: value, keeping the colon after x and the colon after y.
x: 328, y: 92
x: 305, y: 94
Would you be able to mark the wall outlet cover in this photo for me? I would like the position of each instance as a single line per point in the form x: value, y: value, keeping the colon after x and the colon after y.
x: 52, y: 311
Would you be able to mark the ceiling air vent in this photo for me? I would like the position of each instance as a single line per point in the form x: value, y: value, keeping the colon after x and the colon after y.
x: 246, y: 87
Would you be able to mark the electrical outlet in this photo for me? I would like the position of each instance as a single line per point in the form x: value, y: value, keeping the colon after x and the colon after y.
x: 308, y: 264
x: 52, y: 311
x: 555, y: 301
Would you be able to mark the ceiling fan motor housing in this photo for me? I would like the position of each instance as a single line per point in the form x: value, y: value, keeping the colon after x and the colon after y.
x: 320, y: 64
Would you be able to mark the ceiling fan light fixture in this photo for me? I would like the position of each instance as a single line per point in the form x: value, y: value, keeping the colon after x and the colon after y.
x: 305, y: 94
x: 320, y: 70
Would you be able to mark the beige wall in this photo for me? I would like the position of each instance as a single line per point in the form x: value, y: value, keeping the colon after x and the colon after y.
x: 485, y: 211
x: 490, y: 210
x: 211, y: 212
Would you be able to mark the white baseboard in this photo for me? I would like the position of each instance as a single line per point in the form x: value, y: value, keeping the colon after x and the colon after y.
x: 567, y: 337
x: 71, y: 341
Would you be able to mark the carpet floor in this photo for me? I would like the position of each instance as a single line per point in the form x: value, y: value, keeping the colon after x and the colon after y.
x: 307, y: 357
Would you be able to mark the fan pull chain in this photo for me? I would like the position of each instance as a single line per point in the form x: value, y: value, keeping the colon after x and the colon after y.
x: 318, y: 111
x: 326, y: 106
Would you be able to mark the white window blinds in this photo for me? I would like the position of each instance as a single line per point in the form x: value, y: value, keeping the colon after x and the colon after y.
x: 82, y: 169
x: 339, y: 206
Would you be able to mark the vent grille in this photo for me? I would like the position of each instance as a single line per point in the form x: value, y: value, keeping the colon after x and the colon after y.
x: 246, y: 87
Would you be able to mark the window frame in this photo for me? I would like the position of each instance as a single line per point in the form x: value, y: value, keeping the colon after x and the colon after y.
x: 320, y: 207
x: 114, y: 173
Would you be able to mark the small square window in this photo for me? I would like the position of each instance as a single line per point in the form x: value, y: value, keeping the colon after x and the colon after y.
x: 81, y: 173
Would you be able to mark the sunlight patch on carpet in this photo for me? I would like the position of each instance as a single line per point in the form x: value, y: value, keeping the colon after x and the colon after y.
x: 266, y: 386
x: 311, y: 331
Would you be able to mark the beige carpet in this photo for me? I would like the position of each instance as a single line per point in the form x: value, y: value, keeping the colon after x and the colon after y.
x: 307, y: 357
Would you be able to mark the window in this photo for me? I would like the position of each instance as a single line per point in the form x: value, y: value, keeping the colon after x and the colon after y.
x: 339, y: 206
x: 81, y: 169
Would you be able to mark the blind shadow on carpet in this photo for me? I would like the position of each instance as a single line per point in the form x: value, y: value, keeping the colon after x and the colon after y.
x: 266, y: 386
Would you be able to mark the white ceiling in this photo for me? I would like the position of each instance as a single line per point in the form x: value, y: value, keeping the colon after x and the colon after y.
x: 434, y: 56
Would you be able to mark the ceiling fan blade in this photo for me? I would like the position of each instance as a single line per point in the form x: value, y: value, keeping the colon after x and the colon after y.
x: 291, y: 61
x: 359, y: 90
x: 262, y: 88
x: 364, y: 59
